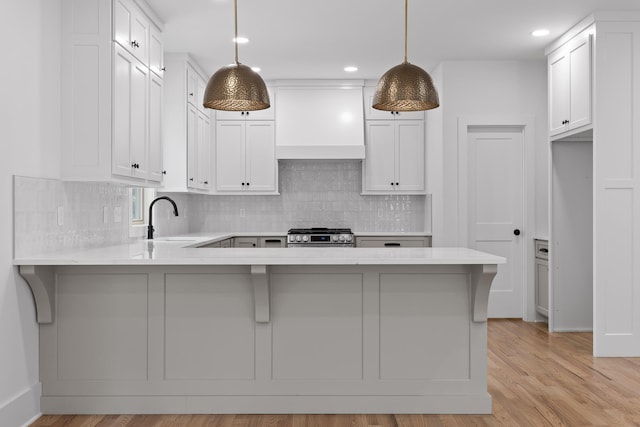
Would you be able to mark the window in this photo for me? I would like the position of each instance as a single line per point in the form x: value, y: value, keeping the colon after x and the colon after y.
x: 137, y: 206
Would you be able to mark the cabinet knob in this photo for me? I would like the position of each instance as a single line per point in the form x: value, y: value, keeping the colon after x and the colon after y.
x: 163, y: 68
x: 516, y: 232
x: 392, y: 183
x: 135, y: 44
x: 190, y: 93
x: 206, y: 182
x: 243, y: 184
x: 191, y: 179
x: 397, y: 183
x: 247, y: 184
x: 135, y: 166
x: 164, y: 172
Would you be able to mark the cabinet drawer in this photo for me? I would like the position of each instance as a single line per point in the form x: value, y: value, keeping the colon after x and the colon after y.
x: 393, y: 242
x: 542, y: 249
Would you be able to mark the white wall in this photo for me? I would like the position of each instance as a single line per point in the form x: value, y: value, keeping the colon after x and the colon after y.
x: 29, y: 145
x: 485, y: 88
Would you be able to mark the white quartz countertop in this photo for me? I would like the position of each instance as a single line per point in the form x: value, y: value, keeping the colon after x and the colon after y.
x: 179, y: 250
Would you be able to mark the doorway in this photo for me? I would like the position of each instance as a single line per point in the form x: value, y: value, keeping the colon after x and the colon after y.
x: 495, y: 184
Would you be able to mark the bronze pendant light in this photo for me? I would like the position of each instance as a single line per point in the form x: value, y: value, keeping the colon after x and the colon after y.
x: 405, y: 87
x: 236, y: 87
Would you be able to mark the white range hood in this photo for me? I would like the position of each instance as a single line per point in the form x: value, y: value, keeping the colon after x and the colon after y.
x: 320, y: 120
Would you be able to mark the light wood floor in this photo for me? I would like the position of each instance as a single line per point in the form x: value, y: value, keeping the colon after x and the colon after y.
x: 535, y: 378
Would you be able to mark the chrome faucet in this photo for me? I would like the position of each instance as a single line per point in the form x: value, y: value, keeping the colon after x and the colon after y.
x: 150, y: 229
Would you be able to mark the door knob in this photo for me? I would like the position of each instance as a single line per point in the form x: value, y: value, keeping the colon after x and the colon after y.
x: 516, y: 232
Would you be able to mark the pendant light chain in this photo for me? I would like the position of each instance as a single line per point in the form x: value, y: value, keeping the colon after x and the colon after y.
x: 235, y: 15
x: 406, y: 31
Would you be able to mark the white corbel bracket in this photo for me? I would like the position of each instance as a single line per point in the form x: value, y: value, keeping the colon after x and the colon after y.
x: 41, y: 280
x: 481, y: 279
x: 260, y: 277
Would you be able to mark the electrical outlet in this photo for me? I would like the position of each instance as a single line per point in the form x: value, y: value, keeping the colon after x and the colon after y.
x: 117, y: 214
x: 105, y: 214
x: 60, y: 215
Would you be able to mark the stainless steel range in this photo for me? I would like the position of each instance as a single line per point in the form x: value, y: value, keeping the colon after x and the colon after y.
x: 320, y: 237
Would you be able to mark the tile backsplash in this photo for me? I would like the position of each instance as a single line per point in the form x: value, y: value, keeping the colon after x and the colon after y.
x: 323, y: 193
x: 52, y: 215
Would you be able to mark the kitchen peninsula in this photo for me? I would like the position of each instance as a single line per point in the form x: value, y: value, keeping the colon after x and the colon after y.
x: 166, y: 326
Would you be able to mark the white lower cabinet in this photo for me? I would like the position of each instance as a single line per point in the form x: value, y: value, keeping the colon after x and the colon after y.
x: 542, y: 277
x: 394, y: 157
x: 245, y: 157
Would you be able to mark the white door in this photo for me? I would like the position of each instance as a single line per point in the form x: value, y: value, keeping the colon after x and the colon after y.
x: 495, y: 161
x: 380, y: 155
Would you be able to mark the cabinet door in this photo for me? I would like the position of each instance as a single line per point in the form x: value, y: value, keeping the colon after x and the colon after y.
x: 192, y: 86
x: 130, y: 97
x: 580, y: 82
x: 122, y: 18
x: 542, y: 287
x: 131, y: 29
x: 192, y: 141
x: 203, y: 152
x: 260, y: 161
x: 230, y: 155
x: 155, y: 129
x: 558, y: 75
x: 379, y: 172
x: 156, y: 56
x: 410, y: 156
x: 140, y: 36
x: 201, y: 86
x: 140, y: 119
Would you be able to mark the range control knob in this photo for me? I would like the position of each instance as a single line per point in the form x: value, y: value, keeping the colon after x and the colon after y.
x: 334, y: 238
x: 305, y: 238
x: 349, y: 237
x: 342, y: 238
x: 298, y: 238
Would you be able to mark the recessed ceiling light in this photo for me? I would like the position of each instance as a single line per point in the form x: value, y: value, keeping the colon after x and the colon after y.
x: 351, y: 69
x: 256, y: 69
x: 241, y: 40
x: 540, y: 33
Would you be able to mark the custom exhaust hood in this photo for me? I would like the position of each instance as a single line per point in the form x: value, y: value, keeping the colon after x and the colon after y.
x: 320, y: 120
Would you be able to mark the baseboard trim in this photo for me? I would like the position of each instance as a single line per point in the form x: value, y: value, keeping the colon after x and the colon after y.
x: 23, y: 409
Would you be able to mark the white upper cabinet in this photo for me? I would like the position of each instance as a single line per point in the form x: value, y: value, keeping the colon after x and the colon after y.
x: 266, y: 114
x: 371, y: 113
x: 156, y: 51
x: 131, y: 29
x: 187, y: 128
x: 111, y: 102
x: 395, y: 157
x: 130, y: 129
x: 569, y: 73
x: 245, y: 157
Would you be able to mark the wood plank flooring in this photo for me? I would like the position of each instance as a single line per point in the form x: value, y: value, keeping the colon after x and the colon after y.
x: 535, y: 378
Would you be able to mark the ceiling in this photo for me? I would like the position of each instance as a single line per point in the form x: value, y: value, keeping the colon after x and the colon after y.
x: 305, y: 39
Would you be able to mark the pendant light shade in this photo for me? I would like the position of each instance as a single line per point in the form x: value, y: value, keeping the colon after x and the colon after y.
x: 236, y: 87
x: 405, y: 87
